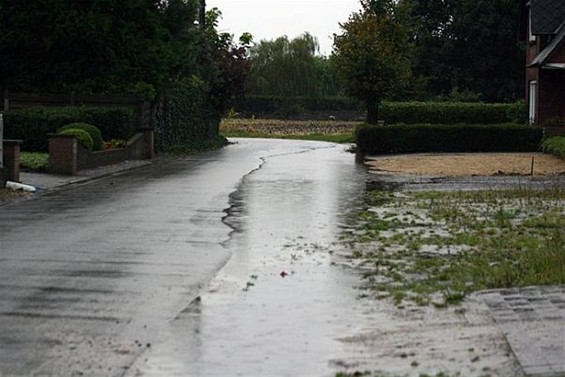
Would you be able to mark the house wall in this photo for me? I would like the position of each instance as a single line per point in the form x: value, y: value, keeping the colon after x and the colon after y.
x: 551, y: 82
x: 551, y: 95
x: 558, y: 55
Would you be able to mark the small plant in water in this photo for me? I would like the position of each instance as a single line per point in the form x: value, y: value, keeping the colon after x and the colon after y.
x: 471, y: 241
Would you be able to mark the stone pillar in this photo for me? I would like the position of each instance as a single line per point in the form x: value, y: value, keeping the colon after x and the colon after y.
x: 149, y: 141
x: 62, y: 154
x: 11, y: 159
x: 3, y: 173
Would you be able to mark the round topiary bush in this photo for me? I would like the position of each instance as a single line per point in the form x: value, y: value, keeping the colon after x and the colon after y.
x: 93, y: 131
x: 82, y: 136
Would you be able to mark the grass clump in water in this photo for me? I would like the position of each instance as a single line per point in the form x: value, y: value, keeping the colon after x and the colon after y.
x: 437, y: 247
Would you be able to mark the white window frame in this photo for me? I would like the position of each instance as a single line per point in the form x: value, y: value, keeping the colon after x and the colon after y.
x: 532, y: 101
x: 531, y: 37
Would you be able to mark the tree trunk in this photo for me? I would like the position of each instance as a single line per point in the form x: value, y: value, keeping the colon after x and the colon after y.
x: 373, y: 103
x: 202, y: 15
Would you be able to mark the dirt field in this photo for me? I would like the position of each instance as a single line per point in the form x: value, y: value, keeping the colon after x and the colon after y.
x: 479, y: 164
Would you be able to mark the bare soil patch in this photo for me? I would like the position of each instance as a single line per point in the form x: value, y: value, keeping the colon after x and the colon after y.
x: 7, y: 194
x: 469, y: 164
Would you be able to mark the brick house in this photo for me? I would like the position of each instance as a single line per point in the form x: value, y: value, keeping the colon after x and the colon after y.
x: 545, y: 59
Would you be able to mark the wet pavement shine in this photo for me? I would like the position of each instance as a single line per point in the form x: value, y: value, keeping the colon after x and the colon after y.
x: 222, y: 264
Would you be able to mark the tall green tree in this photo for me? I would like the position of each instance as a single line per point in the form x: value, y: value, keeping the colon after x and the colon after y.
x: 96, y: 45
x: 469, y: 46
x: 372, y: 56
x: 289, y: 67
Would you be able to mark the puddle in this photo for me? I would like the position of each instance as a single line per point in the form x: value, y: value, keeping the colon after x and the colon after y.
x: 286, y: 304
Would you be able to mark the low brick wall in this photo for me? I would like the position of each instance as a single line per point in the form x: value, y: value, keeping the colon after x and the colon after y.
x: 11, y: 161
x: 66, y: 156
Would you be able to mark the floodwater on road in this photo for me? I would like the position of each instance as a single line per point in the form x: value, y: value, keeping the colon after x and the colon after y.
x: 223, y: 264
x: 280, y: 305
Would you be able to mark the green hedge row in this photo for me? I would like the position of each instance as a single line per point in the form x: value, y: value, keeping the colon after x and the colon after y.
x: 390, y: 112
x: 423, y: 138
x: 452, y: 112
x: 32, y: 125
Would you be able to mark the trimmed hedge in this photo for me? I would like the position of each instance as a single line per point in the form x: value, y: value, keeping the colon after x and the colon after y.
x: 32, y: 125
x: 391, y: 112
x: 451, y: 112
x: 93, y: 131
x: 82, y: 137
x: 423, y: 138
x: 555, y: 146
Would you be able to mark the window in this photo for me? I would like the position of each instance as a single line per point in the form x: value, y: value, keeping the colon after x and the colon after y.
x: 532, y: 101
x: 531, y: 37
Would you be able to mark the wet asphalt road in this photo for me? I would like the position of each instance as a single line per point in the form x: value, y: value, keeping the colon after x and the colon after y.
x: 125, y: 275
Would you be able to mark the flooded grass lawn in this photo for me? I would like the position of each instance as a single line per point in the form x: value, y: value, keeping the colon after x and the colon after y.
x: 437, y: 247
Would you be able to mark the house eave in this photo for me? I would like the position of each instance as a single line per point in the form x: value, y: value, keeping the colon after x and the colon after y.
x: 542, y: 57
x: 554, y: 66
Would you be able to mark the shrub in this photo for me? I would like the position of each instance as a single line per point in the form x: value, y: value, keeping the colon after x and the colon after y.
x: 391, y: 112
x: 420, y: 138
x: 449, y: 112
x: 32, y: 125
x: 184, y: 120
x: 555, y: 146
x: 93, y: 131
x: 34, y: 161
x: 113, y: 122
x: 82, y: 137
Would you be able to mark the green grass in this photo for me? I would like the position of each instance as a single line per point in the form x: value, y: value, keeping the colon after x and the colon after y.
x: 34, y: 161
x: 437, y: 247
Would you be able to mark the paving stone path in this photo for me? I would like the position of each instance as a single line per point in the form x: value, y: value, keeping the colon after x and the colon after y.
x: 533, y: 321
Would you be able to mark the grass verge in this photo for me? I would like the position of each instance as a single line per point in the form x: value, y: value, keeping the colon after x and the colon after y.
x: 437, y: 247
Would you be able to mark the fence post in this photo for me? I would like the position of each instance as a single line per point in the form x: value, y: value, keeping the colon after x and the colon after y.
x: 3, y: 177
x: 6, y: 100
x: 1, y: 140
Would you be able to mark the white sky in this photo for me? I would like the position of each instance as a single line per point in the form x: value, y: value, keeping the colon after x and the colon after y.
x: 270, y: 19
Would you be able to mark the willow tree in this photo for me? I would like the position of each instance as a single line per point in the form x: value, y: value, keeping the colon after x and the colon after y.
x: 372, y: 56
x: 286, y: 67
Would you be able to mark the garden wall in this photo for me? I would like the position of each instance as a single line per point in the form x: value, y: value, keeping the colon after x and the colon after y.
x: 11, y: 162
x: 66, y: 156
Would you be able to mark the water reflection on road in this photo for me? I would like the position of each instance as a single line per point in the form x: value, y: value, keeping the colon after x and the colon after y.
x: 281, y: 304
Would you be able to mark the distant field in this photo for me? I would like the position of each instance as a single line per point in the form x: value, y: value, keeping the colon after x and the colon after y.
x: 329, y: 130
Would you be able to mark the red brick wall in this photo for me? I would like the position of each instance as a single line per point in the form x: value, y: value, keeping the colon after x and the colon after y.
x: 67, y: 157
x: 11, y: 157
x: 558, y: 56
x: 551, y: 95
x: 62, y: 154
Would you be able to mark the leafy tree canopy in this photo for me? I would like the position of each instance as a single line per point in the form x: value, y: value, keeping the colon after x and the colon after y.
x: 373, y: 54
x: 96, y: 45
x: 290, y: 67
x: 469, y: 46
x: 108, y: 46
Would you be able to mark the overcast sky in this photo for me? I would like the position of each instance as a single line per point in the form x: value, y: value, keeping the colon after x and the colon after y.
x: 270, y: 19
